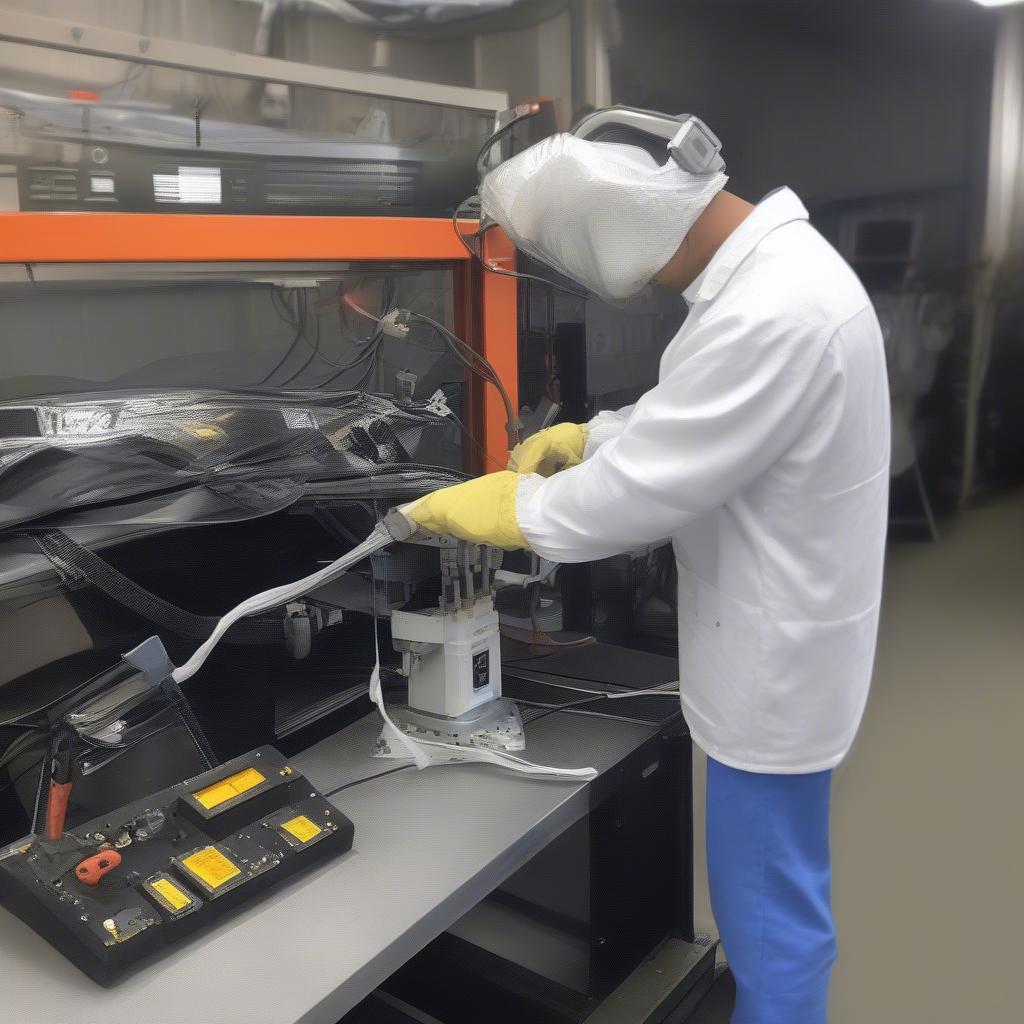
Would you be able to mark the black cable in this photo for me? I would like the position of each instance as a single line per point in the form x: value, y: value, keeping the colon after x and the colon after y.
x: 629, y: 719
x: 491, y: 269
x: 517, y: 665
x: 491, y: 141
x: 299, y: 319
x: 40, y: 801
x: 474, y: 442
x: 578, y: 705
x: 456, y: 349
x: 294, y: 322
x: 562, y: 707
x: 456, y: 343
x: 45, y: 707
x: 371, y: 369
x: 387, y: 296
x: 370, y: 353
x: 371, y: 346
x: 513, y: 425
x: 20, y: 746
x: 369, y: 778
x: 279, y: 307
x: 314, y: 348
x: 17, y: 778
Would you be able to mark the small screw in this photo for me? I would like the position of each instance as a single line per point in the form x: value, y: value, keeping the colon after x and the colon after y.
x: 84, y: 917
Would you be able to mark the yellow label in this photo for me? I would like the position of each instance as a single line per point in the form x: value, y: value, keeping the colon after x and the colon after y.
x: 302, y: 828
x: 204, y: 431
x: 227, y: 789
x: 176, y: 899
x: 211, y: 866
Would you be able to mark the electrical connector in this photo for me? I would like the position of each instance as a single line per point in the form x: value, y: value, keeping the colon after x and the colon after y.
x: 395, y: 324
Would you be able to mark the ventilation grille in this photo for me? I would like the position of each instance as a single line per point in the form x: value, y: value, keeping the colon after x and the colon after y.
x: 51, y: 184
x: 350, y: 183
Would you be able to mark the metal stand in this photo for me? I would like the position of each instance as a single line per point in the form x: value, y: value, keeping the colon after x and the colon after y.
x: 495, y: 725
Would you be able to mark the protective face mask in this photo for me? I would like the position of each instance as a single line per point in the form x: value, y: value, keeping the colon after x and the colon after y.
x: 604, y: 214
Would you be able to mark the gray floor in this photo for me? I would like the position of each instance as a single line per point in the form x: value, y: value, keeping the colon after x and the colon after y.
x: 928, y: 812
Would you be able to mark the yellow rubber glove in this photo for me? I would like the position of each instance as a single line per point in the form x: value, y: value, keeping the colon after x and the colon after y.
x: 482, y: 511
x: 550, y: 450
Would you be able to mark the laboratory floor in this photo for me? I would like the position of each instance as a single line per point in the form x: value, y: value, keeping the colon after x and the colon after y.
x: 928, y: 819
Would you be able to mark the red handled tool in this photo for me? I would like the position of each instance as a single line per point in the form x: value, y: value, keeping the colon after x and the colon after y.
x: 92, y: 869
x: 61, y: 752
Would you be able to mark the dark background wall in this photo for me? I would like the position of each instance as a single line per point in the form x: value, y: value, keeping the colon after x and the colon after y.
x: 838, y: 100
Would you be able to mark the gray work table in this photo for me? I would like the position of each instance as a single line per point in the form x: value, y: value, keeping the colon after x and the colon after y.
x: 428, y: 846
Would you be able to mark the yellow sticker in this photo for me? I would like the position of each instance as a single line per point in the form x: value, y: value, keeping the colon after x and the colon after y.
x: 211, y: 867
x: 204, y: 431
x: 302, y: 828
x: 167, y: 890
x: 227, y: 789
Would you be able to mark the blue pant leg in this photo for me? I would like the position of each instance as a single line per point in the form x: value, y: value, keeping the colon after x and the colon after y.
x: 769, y: 872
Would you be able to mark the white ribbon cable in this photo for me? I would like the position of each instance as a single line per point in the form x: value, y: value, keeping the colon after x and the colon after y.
x: 277, y: 596
x: 392, y: 734
x: 423, y: 752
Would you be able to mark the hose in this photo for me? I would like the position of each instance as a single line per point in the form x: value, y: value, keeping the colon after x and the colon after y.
x: 276, y: 596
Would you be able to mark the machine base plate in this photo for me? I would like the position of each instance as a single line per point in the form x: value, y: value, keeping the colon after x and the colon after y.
x: 495, y: 725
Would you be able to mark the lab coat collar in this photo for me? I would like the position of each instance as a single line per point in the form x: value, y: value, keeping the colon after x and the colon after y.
x: 777, y: 208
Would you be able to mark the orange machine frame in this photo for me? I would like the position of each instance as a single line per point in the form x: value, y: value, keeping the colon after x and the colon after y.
x: 485, y: 303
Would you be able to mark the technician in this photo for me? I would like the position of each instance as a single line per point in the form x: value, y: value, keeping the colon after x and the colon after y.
x: 763, y: 454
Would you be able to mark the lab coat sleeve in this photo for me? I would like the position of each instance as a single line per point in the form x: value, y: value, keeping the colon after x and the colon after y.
x: 604, y: 426
x: 725, y: 411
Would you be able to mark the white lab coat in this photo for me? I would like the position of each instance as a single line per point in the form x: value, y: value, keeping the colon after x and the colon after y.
x: 763, y: 453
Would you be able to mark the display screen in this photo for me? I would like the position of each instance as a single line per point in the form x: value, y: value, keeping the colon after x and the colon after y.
x: 188, y: 185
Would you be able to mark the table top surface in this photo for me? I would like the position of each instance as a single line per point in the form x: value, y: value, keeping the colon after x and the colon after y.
x: 428, y: 846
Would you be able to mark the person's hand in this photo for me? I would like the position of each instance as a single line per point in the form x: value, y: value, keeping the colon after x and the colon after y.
x: 550, y: 450
x: 482, y: 511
